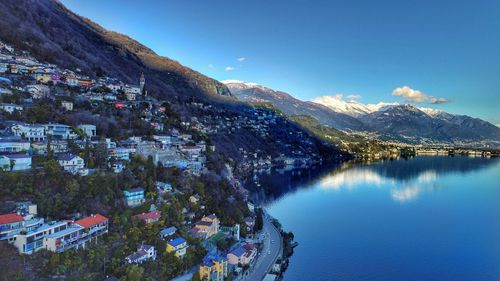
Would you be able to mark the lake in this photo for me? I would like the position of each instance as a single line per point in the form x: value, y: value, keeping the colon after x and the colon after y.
x: 426, y: 218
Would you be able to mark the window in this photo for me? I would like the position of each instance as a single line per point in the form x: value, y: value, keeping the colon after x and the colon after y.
x: 30, y: 239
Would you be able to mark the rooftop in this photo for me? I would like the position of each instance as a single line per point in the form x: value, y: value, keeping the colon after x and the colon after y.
x: 238, y: 251
x: 145, y: 247
x: 150, y: 215
x: 168, y: 230
x: 91, y: 221
x: 137, y: 255
x: 203, y: 223
x: 177, y: 241
x: 212, y: 216
x: 209, y: 259
x: 48, y: 225
x: 137, y: 189
x: 10, y: 218
x: 16, y: 156
x: 68, y: 230
x: 66, y: 157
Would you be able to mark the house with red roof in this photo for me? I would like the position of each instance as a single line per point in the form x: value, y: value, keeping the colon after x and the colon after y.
x: 9, y: 223
x: 242, y: 254
x: 151, y: 217
x: 22, y: 219
x: 77, y: 234
x: 93, y: 221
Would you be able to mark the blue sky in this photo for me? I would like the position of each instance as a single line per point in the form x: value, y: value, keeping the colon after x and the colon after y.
x: 441, y: 49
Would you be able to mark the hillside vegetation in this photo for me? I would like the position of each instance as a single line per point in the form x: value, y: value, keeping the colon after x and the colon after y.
x: 354, y: 144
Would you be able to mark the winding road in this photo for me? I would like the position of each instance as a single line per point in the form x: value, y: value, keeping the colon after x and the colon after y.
x: 271, y: 250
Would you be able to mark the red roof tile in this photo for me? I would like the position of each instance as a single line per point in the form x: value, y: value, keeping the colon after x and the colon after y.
x: 149, y: 216
x: 249, y: 247
x: 91, y: 221
x: 10, y: 218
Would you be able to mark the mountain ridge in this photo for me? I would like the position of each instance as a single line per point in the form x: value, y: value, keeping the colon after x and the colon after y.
x: 391, y: 121
x: 351, y: 107
x: 50, y: 31
x: 53, y: 34
x: 252, y: 92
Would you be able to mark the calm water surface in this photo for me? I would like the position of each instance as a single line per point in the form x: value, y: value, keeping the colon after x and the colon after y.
x: 428, y: 218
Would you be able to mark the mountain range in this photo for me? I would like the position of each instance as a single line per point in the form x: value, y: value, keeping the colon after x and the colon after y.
x: 54, y: 34
x: 394, y: 121
x: 251, y: 92
x: 50, y: 32
x: 351, y: 107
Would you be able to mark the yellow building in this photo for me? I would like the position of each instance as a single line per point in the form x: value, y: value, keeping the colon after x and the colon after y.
x: 194, y: 199
x: 43, y: 78
x: 206, y: 227
x: 177, y: 245
x: 213, y: 268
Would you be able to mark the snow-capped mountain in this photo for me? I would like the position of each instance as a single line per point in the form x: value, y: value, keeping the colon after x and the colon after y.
x: 410, y: 122
x: 390, y: 120
x: 351, y: 107
x: 251, y: 92
x: 241, y: 85
x: 431, y: 111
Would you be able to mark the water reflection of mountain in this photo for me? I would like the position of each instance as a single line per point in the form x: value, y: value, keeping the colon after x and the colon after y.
x: 276, y: 184
x: 349, y: 175
x: 403, y: 170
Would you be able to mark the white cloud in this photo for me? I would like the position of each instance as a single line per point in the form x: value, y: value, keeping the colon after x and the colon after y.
x: 229, y: 68
x: 409, y: 94
x: 353, y: 178
x: 241, y: 59
x: 405, y: 194
x: 412, y: 95
x: 336, y: 97
x: 433, y: 100
x: 351, y: 106
x: 354, y: 97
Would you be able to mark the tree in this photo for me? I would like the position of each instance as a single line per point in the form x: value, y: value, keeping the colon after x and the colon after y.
x: 259, y: 222
x: 12, y: 163
x: 134, y: 273
x: 196, y: 276
x: 101, y: 154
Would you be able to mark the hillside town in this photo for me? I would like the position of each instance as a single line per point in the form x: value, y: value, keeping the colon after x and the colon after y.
x: 84, y: 146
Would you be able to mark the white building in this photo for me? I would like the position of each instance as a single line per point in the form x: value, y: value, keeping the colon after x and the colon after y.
x: 130, y: 96
x: 132, y: 89
x: 114, y: 87
x: 144, y: 253
x: 4, y: 91
x: 58, y: 236
x: 10, y: 108
x: 37, y: 91
x: 77, y: 235
x: 88, y: 129
x: 14, y: 144
x: 72, y: 164
x: 72, y: 81
x: 121, y: 153
x: 60, y: 131
x: 32, y: 240
x: 164, y: 139
x: 15, y: 162
x: 32, y: 132
x: 67, y: 105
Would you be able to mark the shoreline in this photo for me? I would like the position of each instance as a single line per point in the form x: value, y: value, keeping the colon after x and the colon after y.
x: 287, y: 244
x: 288, y: 239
